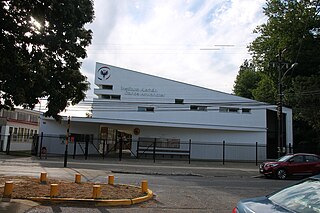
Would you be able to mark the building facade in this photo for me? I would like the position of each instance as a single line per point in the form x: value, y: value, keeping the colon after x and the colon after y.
x: 145, y: 108
x: 22, y: 125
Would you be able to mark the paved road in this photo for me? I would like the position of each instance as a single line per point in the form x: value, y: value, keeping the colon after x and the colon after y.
x: 179, y: 187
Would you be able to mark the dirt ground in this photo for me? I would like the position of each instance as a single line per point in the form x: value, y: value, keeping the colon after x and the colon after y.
x: 24, y: 187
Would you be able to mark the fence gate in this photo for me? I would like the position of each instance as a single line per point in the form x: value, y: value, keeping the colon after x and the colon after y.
x: 35, y: 145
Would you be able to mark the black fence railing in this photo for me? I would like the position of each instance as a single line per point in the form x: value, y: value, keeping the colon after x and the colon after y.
x: 44, y: 145
x: 220, y: 151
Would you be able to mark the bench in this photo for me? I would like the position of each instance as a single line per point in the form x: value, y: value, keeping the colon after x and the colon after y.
x: 164, y: 152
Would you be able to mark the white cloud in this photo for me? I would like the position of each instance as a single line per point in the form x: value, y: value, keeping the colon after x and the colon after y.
x: 164, y: 38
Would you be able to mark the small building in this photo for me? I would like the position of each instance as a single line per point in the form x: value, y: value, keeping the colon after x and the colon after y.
x: 22, y: 125
x: 146, y: 110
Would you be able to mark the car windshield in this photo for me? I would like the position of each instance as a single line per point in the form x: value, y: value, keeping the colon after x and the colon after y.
x: 284, y: 158
x: 302, y: 198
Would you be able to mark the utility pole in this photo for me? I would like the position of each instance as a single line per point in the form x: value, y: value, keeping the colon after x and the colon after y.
x: 67, y: 141
x: 280, y: 64
x: 279, y: 109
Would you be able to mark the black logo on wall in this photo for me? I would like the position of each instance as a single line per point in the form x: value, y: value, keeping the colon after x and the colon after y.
x: 104, y: 73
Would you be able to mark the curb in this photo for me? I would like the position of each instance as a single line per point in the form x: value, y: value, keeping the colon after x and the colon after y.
x: 97, y: 202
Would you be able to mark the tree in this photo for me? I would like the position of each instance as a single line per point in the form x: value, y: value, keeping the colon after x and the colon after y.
x: 265, y: 91
x: 246, y: 80
x: 304, y: 97
x: 41, y: 44
x: 293, y: 28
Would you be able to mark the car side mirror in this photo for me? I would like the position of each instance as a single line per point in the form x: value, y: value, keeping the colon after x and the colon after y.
x: 291, y: 161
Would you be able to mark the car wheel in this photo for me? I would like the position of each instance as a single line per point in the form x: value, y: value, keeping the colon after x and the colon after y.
x: 282, y: 174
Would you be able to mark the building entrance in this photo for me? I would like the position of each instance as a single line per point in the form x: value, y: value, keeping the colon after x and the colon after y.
x: 117, y: 142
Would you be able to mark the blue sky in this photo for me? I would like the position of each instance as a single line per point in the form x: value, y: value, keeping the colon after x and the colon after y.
x: 170, y: 38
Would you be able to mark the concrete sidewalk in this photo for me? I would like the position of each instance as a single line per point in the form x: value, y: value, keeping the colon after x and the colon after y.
x: 131, y: 161
x: 97, y: 169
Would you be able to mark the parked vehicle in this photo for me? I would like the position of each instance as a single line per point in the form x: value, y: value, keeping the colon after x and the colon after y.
x: 303, y: 197
x: 291, y: 164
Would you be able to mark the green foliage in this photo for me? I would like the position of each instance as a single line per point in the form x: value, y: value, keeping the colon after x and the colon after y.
x: 41, y: 43
x: 266, y: 90
x: 246, y: 80
x: 304, y: 96
x: 293, y: 27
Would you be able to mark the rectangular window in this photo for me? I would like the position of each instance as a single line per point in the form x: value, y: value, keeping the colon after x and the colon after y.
x: 108, y: 87
x: 111, y: 97
x: 233, y: 109
x: 178, y: 101
x: 223, y: 109
x: 198, y: 108
x: 34, y: 118
x: 228, y: 109
x: 246, y: 110
x: 145, y: 109
x: 22, y: 116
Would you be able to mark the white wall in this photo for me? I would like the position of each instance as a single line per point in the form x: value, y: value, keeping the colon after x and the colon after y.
x: 23, y: 145
x: 55, y: 134
x: 207, y: 144
x: 138, y: 89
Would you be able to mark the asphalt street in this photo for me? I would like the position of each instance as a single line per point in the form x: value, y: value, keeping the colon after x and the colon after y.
x: 178, y: 186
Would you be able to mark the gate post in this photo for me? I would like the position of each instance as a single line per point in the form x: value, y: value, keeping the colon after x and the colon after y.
x: 223, y: 151
x: 138, y: 147
x: 256, y: 153
x: 189, y: 151
x: 41, y: 140
x: 67, y: 142
x: 8, y: 144
x: 86, y: 149
x: 103, y: 148
x: 154, y: 150
x: 74, y: 147
x: 120, y: 147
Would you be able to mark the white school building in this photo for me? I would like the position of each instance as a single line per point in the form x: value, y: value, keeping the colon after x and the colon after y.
x: 145, y: 108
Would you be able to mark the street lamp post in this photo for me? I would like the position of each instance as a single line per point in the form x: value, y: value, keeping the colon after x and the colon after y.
x: 280, y: 103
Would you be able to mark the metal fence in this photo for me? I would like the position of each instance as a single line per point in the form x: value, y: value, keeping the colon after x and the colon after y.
x: 58, y: 145
x: 15, y: 142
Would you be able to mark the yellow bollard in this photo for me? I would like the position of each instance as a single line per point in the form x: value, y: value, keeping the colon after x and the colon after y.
x: 96, y: 192
x: 110, y: 179
x: 43, y: 177
x: 144, y: 186
x: 54, y: 190
x: 8, y: 188
x: 77, y: 178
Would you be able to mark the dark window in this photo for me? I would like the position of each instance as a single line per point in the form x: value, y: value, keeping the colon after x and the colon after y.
x: 198, y: 108
x: 178, y: 101
x: 146, y: 109
x: 228, y: 109
x: 310, y: 158
x: 297, y: 159
x: 223, y: 109
x: 112, y: 97
x: 233, y: 109
x: 109, y: 87
x: 246, y: 110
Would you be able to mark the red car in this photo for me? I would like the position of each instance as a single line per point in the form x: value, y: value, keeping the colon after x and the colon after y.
x: 291, y: 164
